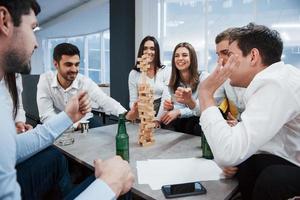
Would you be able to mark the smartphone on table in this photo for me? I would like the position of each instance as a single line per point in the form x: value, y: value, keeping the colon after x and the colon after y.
x: 182, y: 190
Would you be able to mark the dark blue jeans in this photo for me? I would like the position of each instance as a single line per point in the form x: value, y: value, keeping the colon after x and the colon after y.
x: 80, y: 188
x: 44, y: 175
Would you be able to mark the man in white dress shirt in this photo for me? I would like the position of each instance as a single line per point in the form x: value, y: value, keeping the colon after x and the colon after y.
x: 56, y: 88
x: 17, y: 39
x: 266, y: 143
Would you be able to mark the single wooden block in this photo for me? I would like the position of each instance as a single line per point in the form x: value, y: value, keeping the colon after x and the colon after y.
x: 146, y: 144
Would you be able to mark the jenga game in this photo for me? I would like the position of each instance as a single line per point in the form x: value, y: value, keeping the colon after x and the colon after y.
x: 145, y: 105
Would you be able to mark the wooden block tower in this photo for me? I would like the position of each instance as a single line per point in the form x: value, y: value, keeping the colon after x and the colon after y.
x: 145, y: 105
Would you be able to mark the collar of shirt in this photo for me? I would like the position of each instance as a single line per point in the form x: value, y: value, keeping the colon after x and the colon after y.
x: 261, y: 75
x: 55, y: 83
x: 267, y: 70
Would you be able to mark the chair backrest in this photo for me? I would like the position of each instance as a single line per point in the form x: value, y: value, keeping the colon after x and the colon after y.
x: 29, y: 98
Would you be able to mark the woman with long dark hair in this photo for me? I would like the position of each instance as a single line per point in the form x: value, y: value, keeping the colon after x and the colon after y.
x: 13, y: 84
x: 157, y: 75
x: 184, y: 77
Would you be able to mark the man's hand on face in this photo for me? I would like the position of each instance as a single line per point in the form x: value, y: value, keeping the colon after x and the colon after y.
x: 78, y: 106
x: 116, y: 173
x: 219, y: 75
x: 215, y: 80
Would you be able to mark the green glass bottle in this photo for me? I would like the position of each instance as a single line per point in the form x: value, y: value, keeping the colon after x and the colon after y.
x: 122, y: 139
x: 206, y: 151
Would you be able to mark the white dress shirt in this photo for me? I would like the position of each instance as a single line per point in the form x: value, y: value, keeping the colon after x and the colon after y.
x: 157, y: 83
x: 270, y: 122
x: 20, y: 111
x: 52, y: 98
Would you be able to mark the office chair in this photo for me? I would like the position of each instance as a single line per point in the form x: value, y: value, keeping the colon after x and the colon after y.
x: 29, y: 99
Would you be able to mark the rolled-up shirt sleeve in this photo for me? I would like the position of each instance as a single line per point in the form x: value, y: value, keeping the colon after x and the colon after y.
x: 184, y: 112
x: 42, y: 136
x: 97, y: 190
x: 105, y: 102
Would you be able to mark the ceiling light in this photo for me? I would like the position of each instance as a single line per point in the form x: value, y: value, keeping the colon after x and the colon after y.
x: 227, y: 4
x: 286, y: 25
x: 36, y: 29
x: 285, y: 36
x: 174, y: 23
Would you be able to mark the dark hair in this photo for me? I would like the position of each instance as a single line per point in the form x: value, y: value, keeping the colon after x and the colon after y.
x: 65, y: 49
x: 10, y: 81
x: 193, y: 69
x: 224, y: 35
x: 17, y: 8
x: 267, y: 41
x: 157, y: 53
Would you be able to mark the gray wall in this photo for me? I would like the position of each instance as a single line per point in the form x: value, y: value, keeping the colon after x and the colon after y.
x: 122, y: 47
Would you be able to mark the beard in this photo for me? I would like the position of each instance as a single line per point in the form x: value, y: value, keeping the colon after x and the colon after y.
x: 70, y: 76
x: 15, y: 62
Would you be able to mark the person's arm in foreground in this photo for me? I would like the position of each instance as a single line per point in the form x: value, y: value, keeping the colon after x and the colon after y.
x: 109, y: 105
x: 113, y: 178
x: 9, y: 188
x: 44, y: 135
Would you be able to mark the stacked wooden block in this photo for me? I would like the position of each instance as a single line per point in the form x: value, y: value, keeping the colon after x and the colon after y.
x: 145, y: 105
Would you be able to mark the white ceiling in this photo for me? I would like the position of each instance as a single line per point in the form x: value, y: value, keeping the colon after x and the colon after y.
x: 54, y: 8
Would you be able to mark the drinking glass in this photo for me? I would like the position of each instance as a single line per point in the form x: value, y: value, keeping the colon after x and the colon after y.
x: 66, y: 138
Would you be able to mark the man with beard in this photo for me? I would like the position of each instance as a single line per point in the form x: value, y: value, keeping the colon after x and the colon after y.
x: 113, y: 177
x: 56, y: 88
x: 265, y: 143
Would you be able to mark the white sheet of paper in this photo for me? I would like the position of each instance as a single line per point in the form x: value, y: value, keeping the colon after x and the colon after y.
x: 161, y: 172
